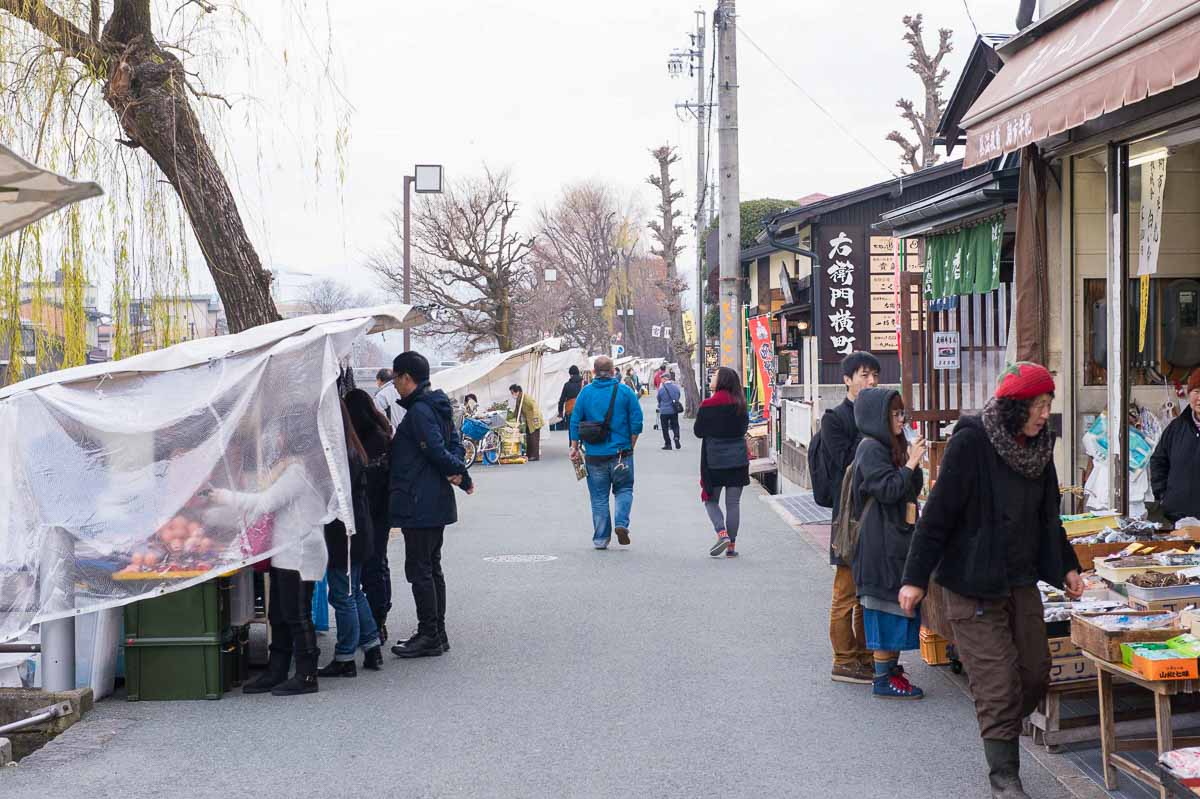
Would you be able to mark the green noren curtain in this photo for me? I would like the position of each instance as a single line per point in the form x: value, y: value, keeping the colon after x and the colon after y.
x: 966, y: 261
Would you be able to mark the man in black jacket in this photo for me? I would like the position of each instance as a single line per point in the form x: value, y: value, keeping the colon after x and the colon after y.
x: 1175, y: 465
x: 852, y: 662
x: 566, y: 397
x: 426, y: 463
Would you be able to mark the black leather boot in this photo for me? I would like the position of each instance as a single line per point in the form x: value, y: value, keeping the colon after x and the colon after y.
x: 373, y: 658
x: 276, y: 672
x: 338, y: 668
x: 445, y: 641
x: 1004, y: 769
x: 304, y: 681
x: 420, y: 645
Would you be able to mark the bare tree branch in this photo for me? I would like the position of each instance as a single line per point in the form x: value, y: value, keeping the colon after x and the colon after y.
x: 933, y: 78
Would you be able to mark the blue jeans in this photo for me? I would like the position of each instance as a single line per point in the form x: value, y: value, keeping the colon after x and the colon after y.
x: 601, y: 479
x: 355, y: 624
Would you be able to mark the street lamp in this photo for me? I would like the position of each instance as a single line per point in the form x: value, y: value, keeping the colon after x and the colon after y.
x: 428, y: 180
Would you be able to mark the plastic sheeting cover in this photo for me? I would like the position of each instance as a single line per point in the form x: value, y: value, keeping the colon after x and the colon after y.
x: 128, y: 484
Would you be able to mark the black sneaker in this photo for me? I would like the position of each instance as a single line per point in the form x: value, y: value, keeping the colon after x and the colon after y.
x: 420, y: 645
x: 667, y: 446
x: 373, y: 658
x: 445, y: 641
x: 338, y: 668
x: 298, y: 684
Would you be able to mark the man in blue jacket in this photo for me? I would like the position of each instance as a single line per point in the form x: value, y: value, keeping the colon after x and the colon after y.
x: 609, y: 454
x: 427, y: 462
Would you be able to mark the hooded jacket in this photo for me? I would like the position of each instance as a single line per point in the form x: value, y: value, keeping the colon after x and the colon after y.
x: 426, y: 450
x: 884, y: 536
x: 968, y: 523
x: 1175, y: 468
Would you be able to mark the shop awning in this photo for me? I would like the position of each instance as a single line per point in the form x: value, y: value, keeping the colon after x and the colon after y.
x: 27, y: 192
x: 1115, y: 53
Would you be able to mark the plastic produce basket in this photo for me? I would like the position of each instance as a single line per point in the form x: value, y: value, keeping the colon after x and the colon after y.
x: 473, y: 428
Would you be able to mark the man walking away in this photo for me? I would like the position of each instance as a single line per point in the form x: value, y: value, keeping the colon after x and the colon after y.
x: 607, y: 420
x: 669, y: 408
x: 852, y: 662
x: 566, y: 398
x: 387, y: 399
x: 427, y: 462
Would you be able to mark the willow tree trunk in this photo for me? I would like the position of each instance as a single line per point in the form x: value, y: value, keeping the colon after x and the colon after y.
x: 147, y: 91
x: 146, y: 86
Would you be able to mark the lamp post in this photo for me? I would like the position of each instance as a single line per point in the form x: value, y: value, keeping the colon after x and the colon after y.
x: 428, y: 180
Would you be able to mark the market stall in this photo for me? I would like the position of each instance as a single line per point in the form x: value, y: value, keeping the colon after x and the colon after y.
x: 116, y: 468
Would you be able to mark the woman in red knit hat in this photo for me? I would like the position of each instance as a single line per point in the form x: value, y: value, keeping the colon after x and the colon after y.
x: 1175, y: 465
x: 989, y: 532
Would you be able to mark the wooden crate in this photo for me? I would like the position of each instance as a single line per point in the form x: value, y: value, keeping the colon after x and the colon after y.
x: 1163, y: 605
x: 934, y: 648
x: 1106, y: 644
x: 1067, y: 662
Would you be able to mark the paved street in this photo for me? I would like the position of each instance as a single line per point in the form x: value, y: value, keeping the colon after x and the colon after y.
x: 652, y: 671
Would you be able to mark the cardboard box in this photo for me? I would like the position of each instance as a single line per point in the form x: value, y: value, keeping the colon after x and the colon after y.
x: 1106, y: 644
x: 1175, y: 668
x: 1067, y: 662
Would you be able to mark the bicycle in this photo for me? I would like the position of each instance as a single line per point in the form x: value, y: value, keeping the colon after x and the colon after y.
x: 481, y: 439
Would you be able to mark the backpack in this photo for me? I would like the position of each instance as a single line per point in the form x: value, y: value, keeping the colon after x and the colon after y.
x: 822, y: 481
x: 846, y: 526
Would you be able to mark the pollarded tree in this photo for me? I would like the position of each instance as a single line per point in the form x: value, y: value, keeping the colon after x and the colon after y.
x: 667, y: 233
x: 921, y: 153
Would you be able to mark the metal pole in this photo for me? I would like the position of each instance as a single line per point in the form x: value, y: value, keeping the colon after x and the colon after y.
x: 1118, y: 314
x: 725, y: 21
x: 57, y: 593
x: 701, y: 185
x: 408, y: 181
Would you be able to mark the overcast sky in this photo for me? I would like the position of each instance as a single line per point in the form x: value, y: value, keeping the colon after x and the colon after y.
x: 564, y: 91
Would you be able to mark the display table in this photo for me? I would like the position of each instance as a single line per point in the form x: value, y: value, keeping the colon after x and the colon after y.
x: 1164, y: 740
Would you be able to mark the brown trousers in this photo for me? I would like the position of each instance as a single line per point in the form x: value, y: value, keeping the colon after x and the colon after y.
x: 846, y: 632
x: 1002, y: 645
x: 533, y: 444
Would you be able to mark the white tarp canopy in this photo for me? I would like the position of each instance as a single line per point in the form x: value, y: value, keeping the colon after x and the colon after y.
x: 489, y: 377
x: 128, y: 479
x: 28, y: 192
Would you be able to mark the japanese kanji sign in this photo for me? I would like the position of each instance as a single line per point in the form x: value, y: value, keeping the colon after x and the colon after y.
x: 842, y: 310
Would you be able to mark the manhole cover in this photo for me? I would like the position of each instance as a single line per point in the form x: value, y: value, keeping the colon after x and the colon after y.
x: 520, y: 558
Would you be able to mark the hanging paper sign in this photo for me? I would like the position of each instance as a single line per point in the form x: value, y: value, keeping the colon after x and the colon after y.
x: 656, y: 331
x: 1154, y: 185
x: 764, y: 354
x: 689, y: 329
x: 945, y: 350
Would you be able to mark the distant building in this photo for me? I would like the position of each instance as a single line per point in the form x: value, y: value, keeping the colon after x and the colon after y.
x: 161, y: 321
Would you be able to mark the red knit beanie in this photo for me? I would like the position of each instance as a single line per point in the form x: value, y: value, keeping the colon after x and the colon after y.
x: 1193, y: 382
x: 1024, y: 380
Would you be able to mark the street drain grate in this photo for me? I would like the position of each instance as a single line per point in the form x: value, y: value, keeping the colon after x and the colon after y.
x: 520, y: 558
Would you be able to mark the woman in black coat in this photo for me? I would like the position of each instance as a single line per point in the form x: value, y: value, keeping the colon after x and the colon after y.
x: 721, y: 423
x: 887, y: 479
x: 991, y: 530
x: 356, y: 626
x: 375, y: 433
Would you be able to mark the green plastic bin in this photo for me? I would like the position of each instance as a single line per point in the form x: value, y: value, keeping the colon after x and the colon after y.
x: 201, y: 611
x: 174, y: 668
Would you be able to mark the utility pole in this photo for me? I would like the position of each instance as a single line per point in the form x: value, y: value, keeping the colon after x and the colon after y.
x: 700, y: 109
x: 725, y: 22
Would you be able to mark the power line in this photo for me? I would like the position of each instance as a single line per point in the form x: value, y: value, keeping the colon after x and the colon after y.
x: 813, y: 100
x: 967, y: 6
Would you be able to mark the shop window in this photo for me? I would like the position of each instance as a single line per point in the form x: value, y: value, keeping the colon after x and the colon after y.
x: 1170, y: 344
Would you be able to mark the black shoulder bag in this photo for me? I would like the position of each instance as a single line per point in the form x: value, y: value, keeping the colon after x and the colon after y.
x: 598, y: 432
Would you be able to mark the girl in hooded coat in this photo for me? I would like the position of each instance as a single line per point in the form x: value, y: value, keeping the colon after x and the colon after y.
x: 887, y: 480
